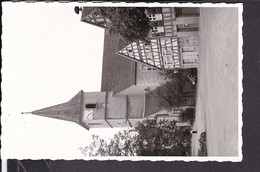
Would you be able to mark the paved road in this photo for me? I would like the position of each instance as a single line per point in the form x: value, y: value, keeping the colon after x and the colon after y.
x: 217, y: 99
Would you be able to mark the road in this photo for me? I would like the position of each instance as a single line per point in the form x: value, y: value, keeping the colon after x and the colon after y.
x: 217, y: 90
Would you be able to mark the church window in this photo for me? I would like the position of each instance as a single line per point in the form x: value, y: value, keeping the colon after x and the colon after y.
x: 90, y: 106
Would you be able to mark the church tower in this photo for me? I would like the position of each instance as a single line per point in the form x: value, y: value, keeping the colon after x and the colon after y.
x: 90, y: 110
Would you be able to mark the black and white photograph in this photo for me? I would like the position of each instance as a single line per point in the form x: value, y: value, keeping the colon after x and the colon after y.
x: 100, y: 81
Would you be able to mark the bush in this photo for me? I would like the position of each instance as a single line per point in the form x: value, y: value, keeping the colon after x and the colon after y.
x: 203, y: 145
x: 188, y: 115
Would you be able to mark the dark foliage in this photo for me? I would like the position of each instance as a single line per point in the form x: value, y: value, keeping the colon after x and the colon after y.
x: 129, y: 22
x: 172, y: 93
x: 149, y: 138
x: 188, y: 115
x: 203, y: 145
x: 168, y: 95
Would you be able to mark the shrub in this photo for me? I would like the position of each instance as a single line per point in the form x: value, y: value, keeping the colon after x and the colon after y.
x: 188, y: 115
x: 203, y: 145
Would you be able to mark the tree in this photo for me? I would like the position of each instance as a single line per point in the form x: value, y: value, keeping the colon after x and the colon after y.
x: 129, y: 22
x: 149, y: 138
x: 160, y: 138
x: 172, y: 94
x: 122, y: 144
x: 168, y: 95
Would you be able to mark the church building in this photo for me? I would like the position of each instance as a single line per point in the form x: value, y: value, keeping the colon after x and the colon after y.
x: 127, y: 88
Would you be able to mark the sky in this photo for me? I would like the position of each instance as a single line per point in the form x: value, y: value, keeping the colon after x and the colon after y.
x: 48, y: 55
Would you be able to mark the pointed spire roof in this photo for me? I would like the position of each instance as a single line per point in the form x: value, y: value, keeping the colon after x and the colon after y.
x: 69, y: 111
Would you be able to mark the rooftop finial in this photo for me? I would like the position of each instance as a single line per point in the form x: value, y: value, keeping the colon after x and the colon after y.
x: 77, y: 9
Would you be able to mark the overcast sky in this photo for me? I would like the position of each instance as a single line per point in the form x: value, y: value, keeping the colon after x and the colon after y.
x: 48, y: 55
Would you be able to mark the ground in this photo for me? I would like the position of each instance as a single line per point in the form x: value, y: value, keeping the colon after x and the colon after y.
x: 217, y: 94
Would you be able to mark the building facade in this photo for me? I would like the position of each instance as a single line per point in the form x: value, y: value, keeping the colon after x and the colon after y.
x: 164, y: 53
x: 174, y: 37
x: 128, y: 84
x: 174, y: 21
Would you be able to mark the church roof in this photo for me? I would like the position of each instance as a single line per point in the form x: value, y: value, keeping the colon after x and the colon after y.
x: 69, y: 111
x: 151, y: 104
x: 118, y: 73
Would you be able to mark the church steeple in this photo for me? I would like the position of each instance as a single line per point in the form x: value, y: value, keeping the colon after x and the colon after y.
x: 91, y: 110
x: 69, y: 111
